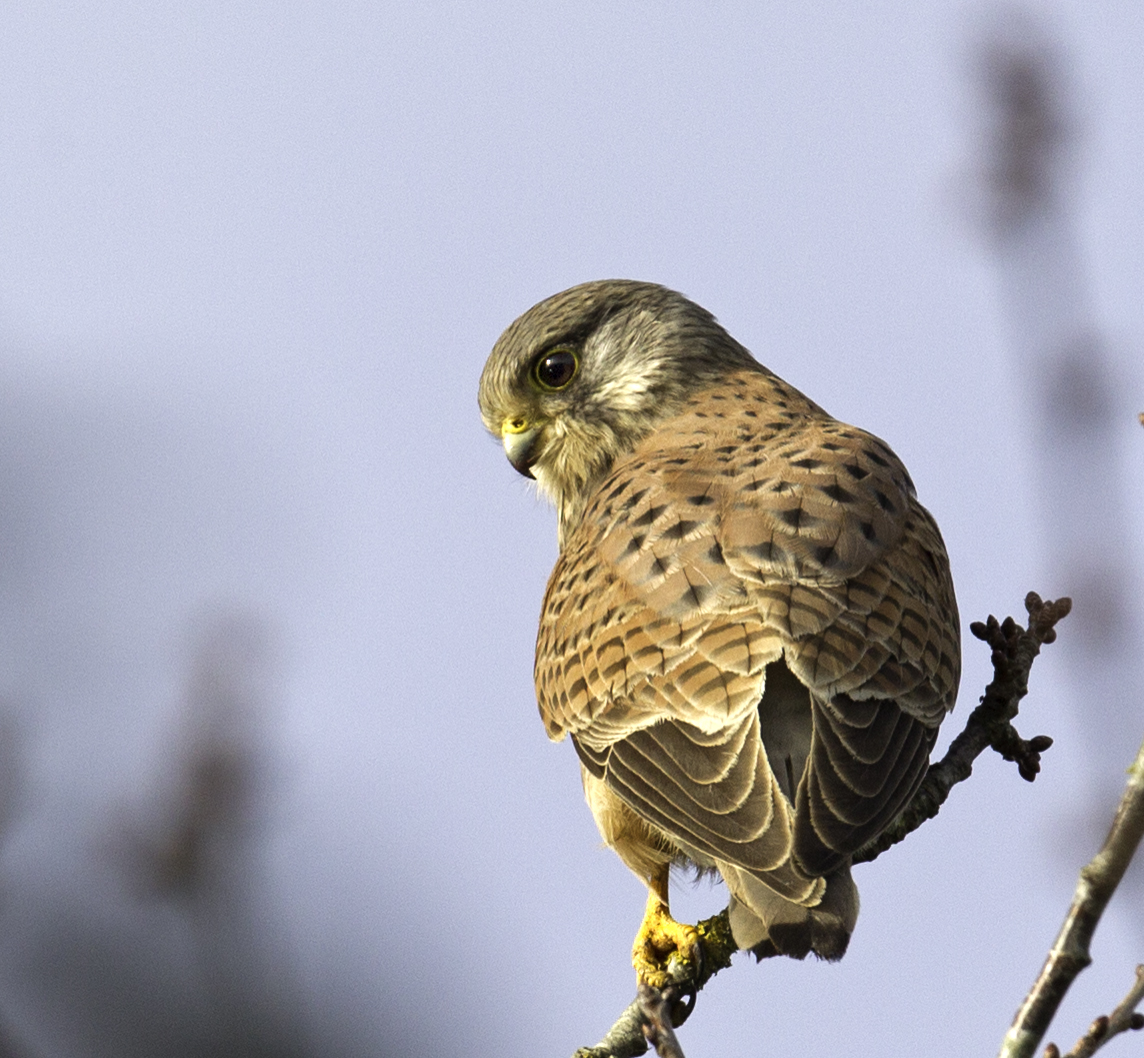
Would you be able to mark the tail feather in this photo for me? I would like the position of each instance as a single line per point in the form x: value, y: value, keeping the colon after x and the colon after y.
x: 766, y: 924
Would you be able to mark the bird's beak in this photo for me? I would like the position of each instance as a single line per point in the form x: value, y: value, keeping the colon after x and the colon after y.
x: 519, y: 437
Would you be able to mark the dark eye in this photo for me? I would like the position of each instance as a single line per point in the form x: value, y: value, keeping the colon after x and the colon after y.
x: 556, y: 369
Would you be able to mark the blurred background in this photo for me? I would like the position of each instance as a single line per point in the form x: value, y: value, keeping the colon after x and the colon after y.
x: 272, y: 780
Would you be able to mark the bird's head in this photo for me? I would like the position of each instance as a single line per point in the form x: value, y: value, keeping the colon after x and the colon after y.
x: 582, y: 377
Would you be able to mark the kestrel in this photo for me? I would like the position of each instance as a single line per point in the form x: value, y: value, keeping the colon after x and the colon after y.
x: 750, y: 633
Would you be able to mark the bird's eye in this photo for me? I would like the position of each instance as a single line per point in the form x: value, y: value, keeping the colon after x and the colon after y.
x: 555, y: 369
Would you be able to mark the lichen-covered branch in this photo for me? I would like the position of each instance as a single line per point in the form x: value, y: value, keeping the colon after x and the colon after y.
x: 990, y: 724
x: 1069, y: 954
x: 628, y: 1037
x: 625, y: 1039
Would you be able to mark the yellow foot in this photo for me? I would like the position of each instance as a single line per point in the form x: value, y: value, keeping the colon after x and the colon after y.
x: 660, y: 942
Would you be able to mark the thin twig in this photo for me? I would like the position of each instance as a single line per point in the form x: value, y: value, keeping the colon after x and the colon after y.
x: 1069, y: 954
x: 990, y: 724
x: 1123, y: 1018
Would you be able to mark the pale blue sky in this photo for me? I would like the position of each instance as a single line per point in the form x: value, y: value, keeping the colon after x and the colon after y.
x: 252, y: 258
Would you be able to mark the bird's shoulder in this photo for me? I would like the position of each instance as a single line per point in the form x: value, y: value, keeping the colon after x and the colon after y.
x: 747, y: 522
x: 782, y: 488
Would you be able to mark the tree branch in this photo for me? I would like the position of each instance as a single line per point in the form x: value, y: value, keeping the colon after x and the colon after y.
x: 990, y: 724
x: 1069, y: 954
x: 629, y: 1036
x: 1123, y: 1018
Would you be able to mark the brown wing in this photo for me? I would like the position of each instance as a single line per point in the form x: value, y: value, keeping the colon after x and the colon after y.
x: 752, y: 530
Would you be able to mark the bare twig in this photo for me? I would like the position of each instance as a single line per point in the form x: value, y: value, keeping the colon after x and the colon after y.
x: 1069, y: 954
x: 990, y: 724
x: 1123, y: 1018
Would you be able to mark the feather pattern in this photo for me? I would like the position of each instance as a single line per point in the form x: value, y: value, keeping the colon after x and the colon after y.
x: 750, y: 633
x: 751, y: 533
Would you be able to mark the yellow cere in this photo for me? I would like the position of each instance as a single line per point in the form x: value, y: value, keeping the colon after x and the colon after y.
x: 514, y: 426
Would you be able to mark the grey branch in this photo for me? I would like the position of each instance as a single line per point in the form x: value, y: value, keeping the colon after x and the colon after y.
x: 990, y: 724
x: 625, y: 1039
x: 1123, y: 1018
x: 1069, y: 954
x: 651, y: 1018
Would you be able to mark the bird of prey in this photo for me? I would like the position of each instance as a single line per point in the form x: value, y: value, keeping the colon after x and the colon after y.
x: 750, y: 634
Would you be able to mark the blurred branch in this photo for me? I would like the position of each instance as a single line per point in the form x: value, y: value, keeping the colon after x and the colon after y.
x: 1022, y: 77
x: 214, y: 791
x: 990, y: 724
x: 1069, y: 954
x: 12, y: 769
x: 218, y: 773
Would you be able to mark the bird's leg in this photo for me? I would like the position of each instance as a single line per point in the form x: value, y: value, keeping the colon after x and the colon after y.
x: 661, y: 939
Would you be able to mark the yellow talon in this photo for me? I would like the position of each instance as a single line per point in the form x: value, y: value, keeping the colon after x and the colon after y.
x: 661, y: 940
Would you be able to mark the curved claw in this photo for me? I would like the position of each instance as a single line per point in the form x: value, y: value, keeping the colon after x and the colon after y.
x: 682, y: 997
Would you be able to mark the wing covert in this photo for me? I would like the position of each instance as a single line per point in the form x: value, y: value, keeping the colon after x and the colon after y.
x: 724, y: 543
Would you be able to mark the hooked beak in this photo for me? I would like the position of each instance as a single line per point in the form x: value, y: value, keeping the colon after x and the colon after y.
x: 519, y: 437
